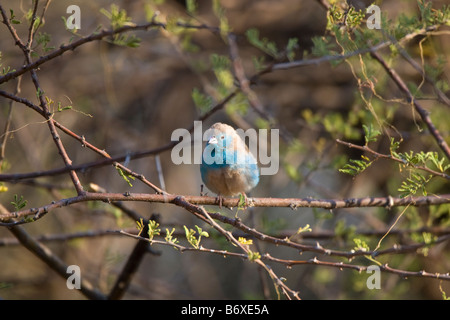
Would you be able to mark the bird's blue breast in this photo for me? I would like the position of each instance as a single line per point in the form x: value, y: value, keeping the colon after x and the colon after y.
x: 227, y: 176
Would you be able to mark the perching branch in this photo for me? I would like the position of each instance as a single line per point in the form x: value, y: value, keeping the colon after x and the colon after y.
x: 292, y: 203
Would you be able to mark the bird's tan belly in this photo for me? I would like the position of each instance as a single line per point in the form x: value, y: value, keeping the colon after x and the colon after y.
x: 227, y: 182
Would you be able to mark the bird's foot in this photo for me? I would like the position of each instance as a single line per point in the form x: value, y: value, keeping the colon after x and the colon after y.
x: 219, y: 200
x: 202, y: 194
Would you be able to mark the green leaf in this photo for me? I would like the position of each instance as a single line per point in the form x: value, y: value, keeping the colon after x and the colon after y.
x: 361, y: 245
x: 19, y: 203
x: 355, y: 167
x: 370, y: 134
x: 153, y: 229
x: 258, y: 63
x: 192, y: 239
x: 201, y: 101
x: 322, y: 46
x: 252, y: 256
x: 201, y: 233
x: 190, y: 236
x: 140, y: 226
x: 221, y: 67
x: 169, y: 237
x: 306, y: 228
x: 291, y: 46
x: 118, y: 17
x: 263, y: 44
x: 416, y: 182
x: 132, y: 41
x: 394, y: 146
x: 191, y: 6
x: 224, y: 26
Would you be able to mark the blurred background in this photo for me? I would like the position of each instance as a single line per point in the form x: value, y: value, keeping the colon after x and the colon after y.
x: 129, y: 99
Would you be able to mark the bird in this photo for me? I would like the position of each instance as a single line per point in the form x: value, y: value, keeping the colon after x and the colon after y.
x: 228, y: 168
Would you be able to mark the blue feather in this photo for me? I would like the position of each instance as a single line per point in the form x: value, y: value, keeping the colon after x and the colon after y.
x: 228, y: 167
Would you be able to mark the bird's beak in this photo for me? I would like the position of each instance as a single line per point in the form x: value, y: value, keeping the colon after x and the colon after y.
x: 212, y: 140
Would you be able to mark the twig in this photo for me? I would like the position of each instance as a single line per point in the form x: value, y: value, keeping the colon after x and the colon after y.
x: 320, y: 234
x: 422, y: 112
x: 98, y: 35
x: 196, y: 210
x: 331, y: 58
x: 180, y: 247
x: 244, y: 86
x: 290, y: 263
x: 108, y: 160
x: 4, y: 242
x: 5, y: 134
x: 440, y: 95
x: 27, y: 53
x: 131, y: 266
x: 359, y: 268
x: 391, y: 157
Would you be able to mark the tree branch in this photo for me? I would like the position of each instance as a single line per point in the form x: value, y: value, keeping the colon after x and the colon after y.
x: 390, y: 157
x: 293, y: 203
x: 422, y: 112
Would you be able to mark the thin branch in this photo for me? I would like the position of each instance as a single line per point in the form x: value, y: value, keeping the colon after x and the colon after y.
x: 337, y: 57
x: 359, y: 268
x: 244, y: 86
x: 202, y: 213
x: 180, y: 247
x: 440, y: 95
x: 97, y: 35
x: 422, y: 112
x: 32, y: 30
x: 131, y: 266
x: 70, y: 47
x: 313, y: 235
x: 103, y: 153
x: 108, y: 160
x: 290, y: 263
x: 62, y: 237
x: 391, y: 157
x: 43, y: 103
x: 5, y: 134
x: 292, y: 203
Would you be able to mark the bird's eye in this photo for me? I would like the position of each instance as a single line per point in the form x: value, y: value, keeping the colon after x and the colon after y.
x: 222, y: 137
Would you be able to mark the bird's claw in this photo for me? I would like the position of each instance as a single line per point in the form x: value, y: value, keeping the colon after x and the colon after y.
x: 219, y: 200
